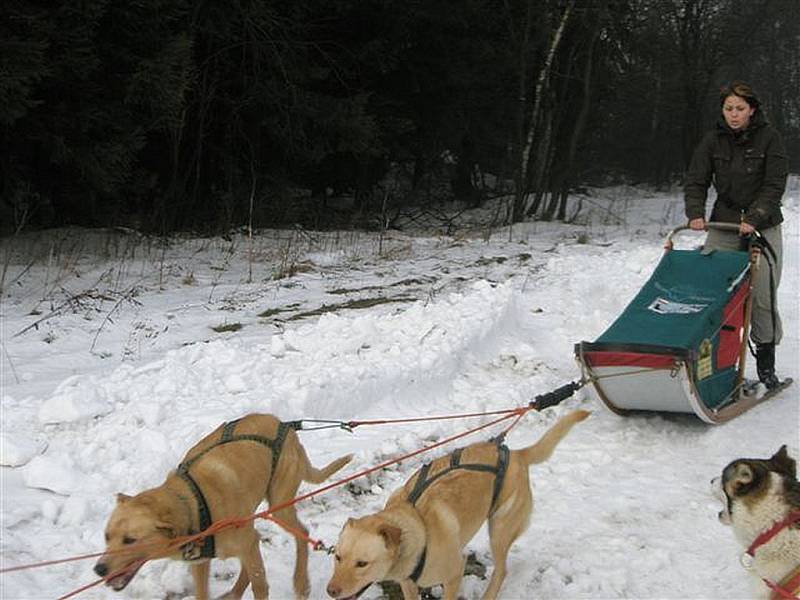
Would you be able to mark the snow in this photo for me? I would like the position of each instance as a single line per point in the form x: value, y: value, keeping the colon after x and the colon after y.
x: 116, y: 359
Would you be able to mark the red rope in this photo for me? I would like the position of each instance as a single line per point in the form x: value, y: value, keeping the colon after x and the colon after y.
x: 134, y: 565
x: 514, y: 424
x: 49, y: 563
x: 298, y: 533
x: 267, y: 514
x: 316, y: 492
x: 240, y: 521
x: 353, y: 424
x: 82, y: 589
x: 127, y: 550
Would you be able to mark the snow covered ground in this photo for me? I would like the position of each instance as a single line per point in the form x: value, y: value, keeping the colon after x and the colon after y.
x: 119, y: 352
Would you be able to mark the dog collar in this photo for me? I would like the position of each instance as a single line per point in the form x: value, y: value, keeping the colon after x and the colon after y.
x: 765, y: 536
x: 785, y: 590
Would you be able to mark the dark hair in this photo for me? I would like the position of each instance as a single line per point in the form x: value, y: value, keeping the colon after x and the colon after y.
x: 742, y: 90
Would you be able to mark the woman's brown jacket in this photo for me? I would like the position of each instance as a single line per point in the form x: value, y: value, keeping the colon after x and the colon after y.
x: 748, y: 170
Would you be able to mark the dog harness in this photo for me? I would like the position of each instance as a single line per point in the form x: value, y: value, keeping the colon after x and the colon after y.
x: 205, y: 548
x: 789, y: 586
x: 424, y: 482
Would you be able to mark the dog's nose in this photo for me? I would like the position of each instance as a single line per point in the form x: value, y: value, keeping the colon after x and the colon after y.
x: 334, y: 591
x: 101, y: 569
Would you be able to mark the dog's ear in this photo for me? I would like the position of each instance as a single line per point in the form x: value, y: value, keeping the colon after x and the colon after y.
x: 742, y: 479
x: 166, y: 529
x: 165, y: 522
x: 123, y: 498
x: 781, y: 462
x: 390, y: 534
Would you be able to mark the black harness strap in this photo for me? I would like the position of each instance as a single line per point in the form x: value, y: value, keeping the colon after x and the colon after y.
x: 499, y: 470
x: 207, y: 550
x: 275, y: 445
x: 227, y: 430
x: 424, y: 482
x: 420, y: 565
x: 421, y: 484
x: 502, y: 466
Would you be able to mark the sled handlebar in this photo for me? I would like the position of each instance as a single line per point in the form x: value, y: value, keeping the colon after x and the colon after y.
x: 709, y: 225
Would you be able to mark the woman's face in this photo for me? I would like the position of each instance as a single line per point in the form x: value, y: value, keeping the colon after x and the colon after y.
x: 737, y: 112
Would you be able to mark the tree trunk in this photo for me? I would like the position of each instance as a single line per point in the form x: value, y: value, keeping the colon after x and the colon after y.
x: 523, y: 44
x: 545, y: 160
x: 580, y: 123
x: 541, y: 83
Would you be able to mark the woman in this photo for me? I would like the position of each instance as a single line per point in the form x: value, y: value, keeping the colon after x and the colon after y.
x: 745, y: 158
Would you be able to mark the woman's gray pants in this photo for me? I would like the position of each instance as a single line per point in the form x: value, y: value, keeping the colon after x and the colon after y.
x: 762, y: 328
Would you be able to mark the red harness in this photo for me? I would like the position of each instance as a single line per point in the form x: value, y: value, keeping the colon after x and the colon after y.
x: 785, y: 589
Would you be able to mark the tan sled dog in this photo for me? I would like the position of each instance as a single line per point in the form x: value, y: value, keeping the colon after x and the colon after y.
x: 417, y: 539
x: 225, y: 475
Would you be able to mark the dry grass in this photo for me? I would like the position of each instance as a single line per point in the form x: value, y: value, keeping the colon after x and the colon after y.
x: 227, y: 327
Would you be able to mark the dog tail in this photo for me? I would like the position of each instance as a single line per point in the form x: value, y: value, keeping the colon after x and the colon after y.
x: 315, y: 475
x: 543, y: 449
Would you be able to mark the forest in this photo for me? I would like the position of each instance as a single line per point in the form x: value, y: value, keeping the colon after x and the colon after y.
x: 209, y: 116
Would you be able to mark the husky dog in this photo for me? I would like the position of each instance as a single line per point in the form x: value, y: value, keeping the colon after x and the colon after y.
x: 761, y: 500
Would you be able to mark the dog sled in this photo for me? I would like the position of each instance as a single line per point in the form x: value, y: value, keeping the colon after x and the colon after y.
x: 681, y: 344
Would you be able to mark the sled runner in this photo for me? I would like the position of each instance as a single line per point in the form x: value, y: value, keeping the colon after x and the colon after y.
x: 681, y: 344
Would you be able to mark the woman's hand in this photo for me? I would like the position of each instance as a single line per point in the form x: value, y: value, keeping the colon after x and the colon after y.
x: 745, y: 228
x: 699, y: 224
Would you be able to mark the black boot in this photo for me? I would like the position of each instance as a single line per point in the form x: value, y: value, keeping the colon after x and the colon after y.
x: 765, y: 365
